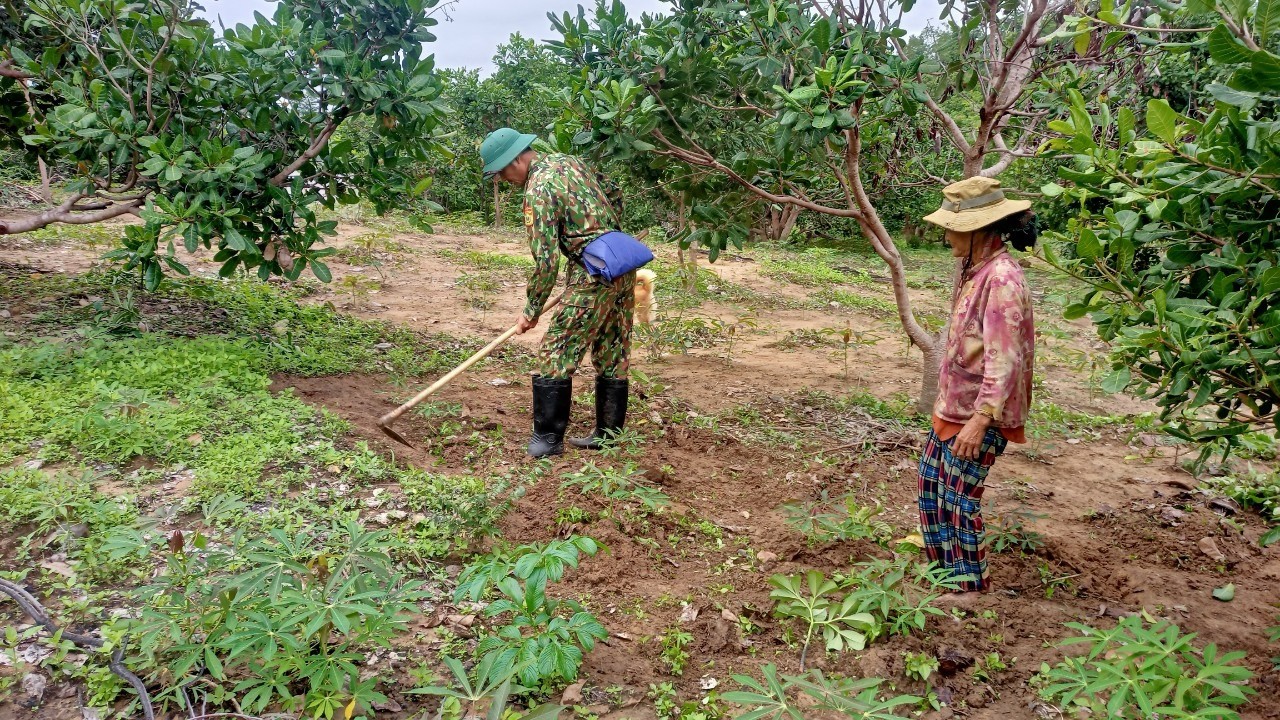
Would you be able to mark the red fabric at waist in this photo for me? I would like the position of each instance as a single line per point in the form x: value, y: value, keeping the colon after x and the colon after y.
x: 947, y: 430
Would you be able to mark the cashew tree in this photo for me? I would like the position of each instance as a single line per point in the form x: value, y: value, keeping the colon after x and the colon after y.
x: 221, y: 140
x: 1176, y: 227
x: 809, y: 104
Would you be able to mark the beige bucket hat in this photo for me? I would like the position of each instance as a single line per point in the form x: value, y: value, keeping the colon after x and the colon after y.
x: 974, y: 203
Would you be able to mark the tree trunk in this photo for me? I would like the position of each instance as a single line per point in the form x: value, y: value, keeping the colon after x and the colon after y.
x: 497, y: 205
x: 929, y: 379
x: 789, y: 217
x: 46, y: 181
x: 689, y: 262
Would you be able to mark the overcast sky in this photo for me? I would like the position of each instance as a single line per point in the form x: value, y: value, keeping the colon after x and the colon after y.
x: 479, y: 26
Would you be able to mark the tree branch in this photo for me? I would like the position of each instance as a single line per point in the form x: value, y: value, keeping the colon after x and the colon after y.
x: 704, y: 159
x: 66, y: 213
x: 314, y: 149
x: 9, y: 70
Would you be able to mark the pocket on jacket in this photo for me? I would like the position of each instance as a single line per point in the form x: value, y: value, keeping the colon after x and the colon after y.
x: 964, y: 373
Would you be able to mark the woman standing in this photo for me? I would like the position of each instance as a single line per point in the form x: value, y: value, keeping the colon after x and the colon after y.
x: 984, y: 389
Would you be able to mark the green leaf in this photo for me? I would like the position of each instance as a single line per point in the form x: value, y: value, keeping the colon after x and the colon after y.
x: 1224, y: 48
x: 1082, y: 42
x: 1088, y: 246
x: 1162, y: 121
x: 1266, y: 20
x: 1117, y: 381
x: 1226, y: 593
x: 321, y: 271
x: 1052, y: 189
x: 234, y: 239
x: 1271, y: 537
x: 805, y: 93
x: 1230, y: 96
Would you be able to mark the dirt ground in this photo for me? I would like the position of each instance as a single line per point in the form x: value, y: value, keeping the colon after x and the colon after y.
x: 1104, y: 496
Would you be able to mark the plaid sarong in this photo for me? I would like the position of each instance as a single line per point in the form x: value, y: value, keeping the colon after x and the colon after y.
x: 951, y: 507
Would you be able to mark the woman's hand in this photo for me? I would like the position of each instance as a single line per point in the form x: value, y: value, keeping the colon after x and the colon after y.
x: 968, y: 442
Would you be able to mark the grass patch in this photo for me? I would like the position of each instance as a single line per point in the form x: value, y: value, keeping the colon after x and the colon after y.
x: 287, y: 334
x: 898, y: 408
x: 97, y: 236
x: 674, y: 294
x: 482, y: 260
x: 1048, y: 420
x: 814, y: 267
x: 855, y: 301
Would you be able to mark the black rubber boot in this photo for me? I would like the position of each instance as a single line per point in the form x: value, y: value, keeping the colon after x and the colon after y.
x: 550, y: 415
x: 611, y: 412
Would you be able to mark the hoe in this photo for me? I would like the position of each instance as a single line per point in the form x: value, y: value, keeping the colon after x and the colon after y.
x: 384, y: 422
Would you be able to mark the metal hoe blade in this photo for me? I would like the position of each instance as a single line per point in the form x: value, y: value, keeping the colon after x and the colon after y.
x: 386, y: 430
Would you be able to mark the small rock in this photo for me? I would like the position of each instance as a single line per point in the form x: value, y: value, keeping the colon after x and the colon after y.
x: 499, y: 382
x: 33, y: 464
x: 945, y: 713
x: 1226, y: 505
x: 1181, y: 484
x: 688, y: 613
x: 452, y: 571
x: 1210, y: 548
x: 383, y: 346
x: 1171, y: 514
x: 60, y: 568
x: 89, y: 713
x: 951, y: 661
x: 573, y: 694
x: 598, y: 710
x: 195, y: 439
x: 767, y: 558
x: 389, y: 706
x: 708, y: 683
x: 5, y: 314
x: 976, y: 699
x: 729, y: 615
x: 1073, y: 441
x: 33, y: 684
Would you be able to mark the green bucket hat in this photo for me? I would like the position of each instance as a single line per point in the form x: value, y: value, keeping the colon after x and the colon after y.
x: 501, y: 147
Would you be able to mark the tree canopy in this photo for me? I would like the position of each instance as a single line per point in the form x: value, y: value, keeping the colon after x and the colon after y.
x: 222, y: 140
x: 1174, y: 222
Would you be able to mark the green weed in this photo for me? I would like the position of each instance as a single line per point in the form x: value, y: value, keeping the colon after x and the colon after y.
x: 873, y: 304
x: 920, y: 666
x: 673, y: 654
x: 814, y: 267
x: 837, y: 520
x: 534, y: 625
x: 1139, y: 669
x: 280, y: 618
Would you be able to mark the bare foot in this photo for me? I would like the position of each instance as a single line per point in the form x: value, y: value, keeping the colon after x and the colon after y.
x: 964, y: 600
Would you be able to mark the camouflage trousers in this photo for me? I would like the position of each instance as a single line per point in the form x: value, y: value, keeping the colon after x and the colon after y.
x: 595, y: 316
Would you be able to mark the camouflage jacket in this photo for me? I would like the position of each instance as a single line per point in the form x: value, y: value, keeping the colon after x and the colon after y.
x: 566, y: 206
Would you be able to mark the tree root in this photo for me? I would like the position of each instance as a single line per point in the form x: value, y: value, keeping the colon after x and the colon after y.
x: 36, y: 612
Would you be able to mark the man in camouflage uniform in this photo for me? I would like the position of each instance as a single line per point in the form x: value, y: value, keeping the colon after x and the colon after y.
x: 565, y: 208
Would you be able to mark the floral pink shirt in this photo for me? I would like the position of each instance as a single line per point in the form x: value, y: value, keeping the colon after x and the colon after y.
x: 990, y: 353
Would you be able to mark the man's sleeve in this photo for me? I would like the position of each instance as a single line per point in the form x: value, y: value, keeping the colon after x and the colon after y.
x: 540, y: 219
x: 1001, y: 324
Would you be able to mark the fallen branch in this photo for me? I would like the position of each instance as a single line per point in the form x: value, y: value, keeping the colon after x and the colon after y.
x: 37, y: 613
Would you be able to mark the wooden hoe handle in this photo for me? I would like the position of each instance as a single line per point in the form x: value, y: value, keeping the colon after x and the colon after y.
x: 482, y: 354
